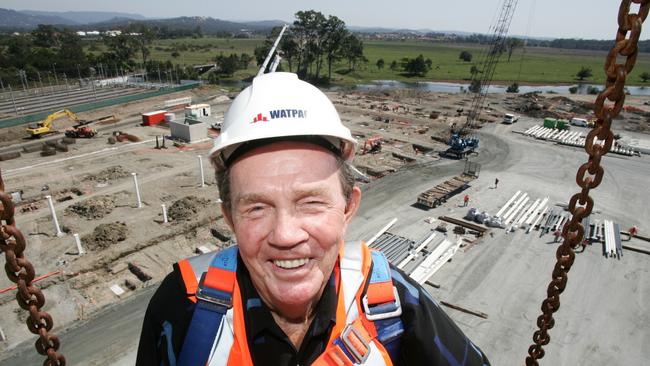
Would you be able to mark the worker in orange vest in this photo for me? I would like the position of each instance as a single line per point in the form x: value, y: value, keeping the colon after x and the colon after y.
x: 292, y: 291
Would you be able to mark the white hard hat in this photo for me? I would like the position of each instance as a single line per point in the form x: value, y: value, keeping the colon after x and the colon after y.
x: 279, y: 105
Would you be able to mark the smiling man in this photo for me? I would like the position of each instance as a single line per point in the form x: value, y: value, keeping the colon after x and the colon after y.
x: 292, y: 291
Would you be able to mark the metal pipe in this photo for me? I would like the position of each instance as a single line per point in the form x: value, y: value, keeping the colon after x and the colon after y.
x: 77, y: 241
x: 56, y: 221
x: 137, y: 189
x: 201, y: 170
x: 164, y: 212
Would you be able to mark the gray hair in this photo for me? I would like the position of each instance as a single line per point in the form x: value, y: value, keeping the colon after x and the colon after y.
x: 346, y: 178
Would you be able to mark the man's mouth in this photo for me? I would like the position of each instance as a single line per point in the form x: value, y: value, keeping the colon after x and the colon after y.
x: 290, y: 263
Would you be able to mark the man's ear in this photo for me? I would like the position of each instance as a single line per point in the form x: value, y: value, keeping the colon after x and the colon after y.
x: 353, y: 204
x: 227, y: 215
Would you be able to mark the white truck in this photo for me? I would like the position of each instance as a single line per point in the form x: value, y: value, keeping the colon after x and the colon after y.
x: 510, y: 118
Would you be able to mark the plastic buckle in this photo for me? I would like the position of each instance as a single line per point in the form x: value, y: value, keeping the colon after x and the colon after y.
x: 350, y: 344
x: 382, y: 315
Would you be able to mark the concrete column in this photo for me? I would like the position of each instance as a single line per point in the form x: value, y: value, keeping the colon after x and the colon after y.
x: 56, y: 221
x: 164, y: 211
x: 201, y: 170
x: 77, y: 241
x: 137, y: 189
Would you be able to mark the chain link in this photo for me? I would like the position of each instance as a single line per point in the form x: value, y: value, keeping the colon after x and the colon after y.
x: 21, y: 272
x: 590, y: 174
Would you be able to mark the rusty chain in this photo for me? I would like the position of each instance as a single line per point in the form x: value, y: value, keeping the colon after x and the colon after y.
x: 21, y: 272
x: 590, y: 174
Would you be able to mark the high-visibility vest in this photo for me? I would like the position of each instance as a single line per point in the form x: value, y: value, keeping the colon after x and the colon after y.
x: 368, y: 325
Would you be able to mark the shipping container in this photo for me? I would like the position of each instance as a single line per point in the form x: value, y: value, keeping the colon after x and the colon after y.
x: 153, y: 118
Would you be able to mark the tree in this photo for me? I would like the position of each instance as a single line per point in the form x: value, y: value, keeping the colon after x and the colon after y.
x: 645, y: 76
x: 46, y: 36
x: 585, y: 72
x: 120, y: 50
x: 417, y: 66
x: 352, y: 50
x: 70, y: 55
x: 380, y: 64
x: 141, y: 37
x: 334, y: 33
x: 465, y: 56
x: 474, y: 70
x: 308, y: 29
x: 394, y: 66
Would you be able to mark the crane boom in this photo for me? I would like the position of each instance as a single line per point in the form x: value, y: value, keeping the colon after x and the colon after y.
x: 271, y: 51
x: 482, y: 79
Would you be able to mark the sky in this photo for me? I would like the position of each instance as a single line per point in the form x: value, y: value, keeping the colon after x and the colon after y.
x: 588, y: 19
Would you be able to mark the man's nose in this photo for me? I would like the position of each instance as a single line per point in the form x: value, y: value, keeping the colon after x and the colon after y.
x: 288, y: 230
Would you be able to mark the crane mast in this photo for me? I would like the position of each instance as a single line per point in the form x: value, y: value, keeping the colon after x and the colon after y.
x: 482, y: 79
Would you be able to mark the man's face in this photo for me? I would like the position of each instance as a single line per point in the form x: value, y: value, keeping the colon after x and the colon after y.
x: 289, y: 216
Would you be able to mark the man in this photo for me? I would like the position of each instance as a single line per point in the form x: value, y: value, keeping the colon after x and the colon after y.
x: 291, y: 292
x: 465, y: 200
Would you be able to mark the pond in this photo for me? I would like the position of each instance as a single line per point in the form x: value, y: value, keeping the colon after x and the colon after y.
x: 444, y: 87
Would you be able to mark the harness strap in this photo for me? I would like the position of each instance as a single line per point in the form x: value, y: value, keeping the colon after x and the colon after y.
x: 187, y: 274
x: 214, y: 298
x: 381, y: 322
x: 381, y: 300
x: 352, y: 347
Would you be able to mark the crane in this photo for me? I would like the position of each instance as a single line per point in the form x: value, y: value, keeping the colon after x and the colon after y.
x: 482, y: 79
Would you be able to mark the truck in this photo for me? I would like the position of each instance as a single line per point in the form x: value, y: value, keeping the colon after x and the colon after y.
x: 460, y: 147
x: 439, y: 194
x: 510, y: 118
x: 80, y: 132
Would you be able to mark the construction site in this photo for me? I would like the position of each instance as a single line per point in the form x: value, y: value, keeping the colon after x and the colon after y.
x: 494, y: 272
x: 466, y: 201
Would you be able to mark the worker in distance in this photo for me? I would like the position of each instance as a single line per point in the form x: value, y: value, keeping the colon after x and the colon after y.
x: 292, y: 291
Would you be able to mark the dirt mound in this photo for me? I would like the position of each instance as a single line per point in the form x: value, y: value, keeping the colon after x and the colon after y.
x: 111, y: 173
x: 186, y: 208
x: 106, y: 235
x: 93, y: 208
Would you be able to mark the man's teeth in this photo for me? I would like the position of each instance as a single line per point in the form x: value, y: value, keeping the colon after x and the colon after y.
x: 290, y: 264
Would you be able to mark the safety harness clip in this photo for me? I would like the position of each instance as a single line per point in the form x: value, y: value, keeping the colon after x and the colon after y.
x: 383, y: 311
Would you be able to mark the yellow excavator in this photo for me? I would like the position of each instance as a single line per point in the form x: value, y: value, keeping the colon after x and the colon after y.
x: 44, y: 127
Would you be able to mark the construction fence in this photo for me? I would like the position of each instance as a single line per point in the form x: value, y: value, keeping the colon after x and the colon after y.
x: 17, y: 121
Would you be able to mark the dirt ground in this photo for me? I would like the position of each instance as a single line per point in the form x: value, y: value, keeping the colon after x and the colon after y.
x: 94, y: 193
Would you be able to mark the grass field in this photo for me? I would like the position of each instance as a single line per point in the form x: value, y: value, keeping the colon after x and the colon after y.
x: 539, y: 65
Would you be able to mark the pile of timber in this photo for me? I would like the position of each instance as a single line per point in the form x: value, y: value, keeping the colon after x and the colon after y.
x: 440, y: 193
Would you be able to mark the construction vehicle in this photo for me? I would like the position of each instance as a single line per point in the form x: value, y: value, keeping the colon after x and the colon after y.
x: 45, y: 127
x: 460, y: 147
x: 80, y: 132
x: 439, y: 194
x: 372, y: 145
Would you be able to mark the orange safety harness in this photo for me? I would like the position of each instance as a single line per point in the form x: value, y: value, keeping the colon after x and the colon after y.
x: 368, y: 324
